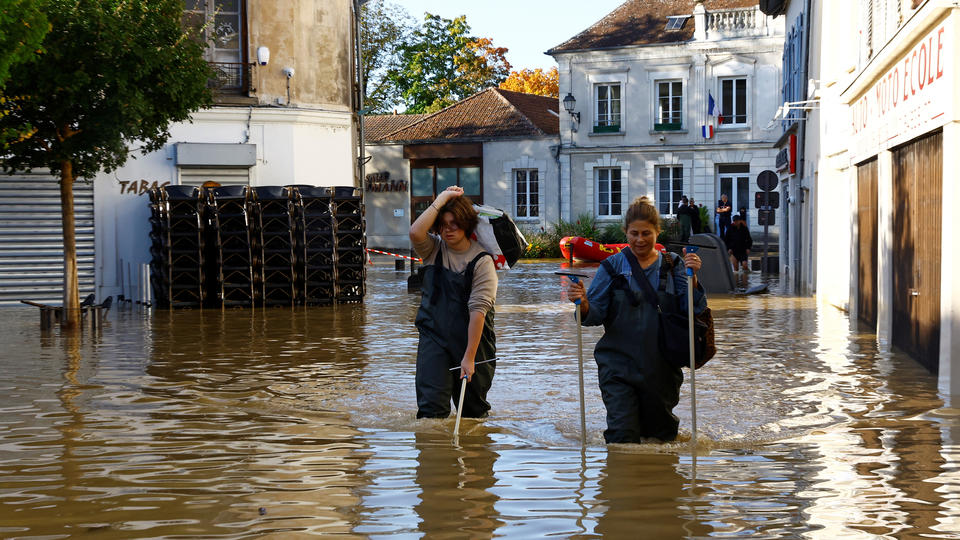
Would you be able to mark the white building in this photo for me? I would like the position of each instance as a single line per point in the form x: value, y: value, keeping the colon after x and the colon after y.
x: 889, y: 136
x: 638, y: 85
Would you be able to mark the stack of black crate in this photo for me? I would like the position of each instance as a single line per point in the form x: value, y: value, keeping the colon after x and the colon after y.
x: 349, y: 244
x: 314, y: 244
x: 177, y: 246
x: 231, y: 236
x: 274, y: 229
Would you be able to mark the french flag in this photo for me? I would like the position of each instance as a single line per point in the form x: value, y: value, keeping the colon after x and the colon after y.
x: 713, y: 109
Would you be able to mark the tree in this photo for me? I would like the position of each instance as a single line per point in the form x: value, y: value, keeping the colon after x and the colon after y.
x: 112, y: 74
x: 22, y: 27
x: 534, y: 81
x: 442, y: 64
x: 384, y: 28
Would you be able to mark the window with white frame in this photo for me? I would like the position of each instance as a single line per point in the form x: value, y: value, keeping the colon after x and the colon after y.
x: 609, y: 192
x: 220, y: 25
x: 733, y: 101
x: 669, y: 189
x: 608, y: 108
x: 527, y: 184
x: 669, y: 106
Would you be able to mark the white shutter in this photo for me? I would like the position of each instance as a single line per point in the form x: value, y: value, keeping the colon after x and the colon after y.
x: 222, y: 176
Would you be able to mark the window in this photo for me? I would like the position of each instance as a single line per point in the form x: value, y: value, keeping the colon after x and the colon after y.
x: 669, y: 189
x: 733, y: 101
x: 608, y: 108
x: 676, y: 22
x: 669, y: 114
x: 220, y: 24
x: 430, y: 177
x: 527, y: 183
x: 608, y: 192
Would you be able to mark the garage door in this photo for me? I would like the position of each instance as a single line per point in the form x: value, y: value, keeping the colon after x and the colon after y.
x: 31, y: 238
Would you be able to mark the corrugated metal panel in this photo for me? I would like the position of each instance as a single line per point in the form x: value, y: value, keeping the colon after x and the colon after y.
x: 31, y: 238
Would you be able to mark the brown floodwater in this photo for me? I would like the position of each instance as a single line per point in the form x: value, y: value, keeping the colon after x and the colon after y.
x: 296, y: 422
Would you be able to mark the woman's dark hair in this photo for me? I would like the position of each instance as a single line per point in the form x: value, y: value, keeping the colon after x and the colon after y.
x: 463, y: 215
x: 642, y: 209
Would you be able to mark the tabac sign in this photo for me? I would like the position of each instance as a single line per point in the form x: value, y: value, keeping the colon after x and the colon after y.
x: 913, y: 97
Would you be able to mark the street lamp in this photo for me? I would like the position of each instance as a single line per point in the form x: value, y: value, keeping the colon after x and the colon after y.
x: 570, y: 104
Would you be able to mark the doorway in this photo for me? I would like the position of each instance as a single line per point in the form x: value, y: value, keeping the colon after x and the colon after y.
x: 867, y: 242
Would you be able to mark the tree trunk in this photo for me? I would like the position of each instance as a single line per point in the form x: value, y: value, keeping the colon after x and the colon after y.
x: 71, y: 284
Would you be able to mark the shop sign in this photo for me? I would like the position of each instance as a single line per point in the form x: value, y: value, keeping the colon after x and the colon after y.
x: 913, y: 97
x: 787, y: 156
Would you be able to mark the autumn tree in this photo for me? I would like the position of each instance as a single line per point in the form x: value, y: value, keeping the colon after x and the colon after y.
x: 112, y: 74
x: 534, y: 81
x: 442, y: 63
x: 384, y: 28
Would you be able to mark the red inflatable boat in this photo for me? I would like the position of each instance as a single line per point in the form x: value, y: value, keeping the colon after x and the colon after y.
x: 585, y: 249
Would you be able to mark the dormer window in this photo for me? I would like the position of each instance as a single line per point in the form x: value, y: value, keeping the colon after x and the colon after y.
x: 676, y: 22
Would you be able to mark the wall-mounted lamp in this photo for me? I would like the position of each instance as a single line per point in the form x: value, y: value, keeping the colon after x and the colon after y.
x: 263, y: 55
x: 570, y: 105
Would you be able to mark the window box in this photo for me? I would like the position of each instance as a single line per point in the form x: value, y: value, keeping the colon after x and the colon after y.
x: 606, y: 129
x: 672, y: 126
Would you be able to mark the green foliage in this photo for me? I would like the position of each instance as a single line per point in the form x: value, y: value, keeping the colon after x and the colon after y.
x: 704, y: 218
x: 613, y: 233
x: 670, y: 231
x: 112, y: 73
x: 542, y: 245
x: 23, y: 24
x: 384, y: 28
x: 585, y: 226
x: 441, y: 63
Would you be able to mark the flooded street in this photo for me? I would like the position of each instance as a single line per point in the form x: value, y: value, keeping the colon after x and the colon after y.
x: 286, y: 423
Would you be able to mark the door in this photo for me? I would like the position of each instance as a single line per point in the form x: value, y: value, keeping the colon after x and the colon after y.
x: 735, y: 184
x: 917, y: 214
x: 867, y: 242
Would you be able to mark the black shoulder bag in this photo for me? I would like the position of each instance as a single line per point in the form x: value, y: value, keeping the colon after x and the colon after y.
x: 672, y: 335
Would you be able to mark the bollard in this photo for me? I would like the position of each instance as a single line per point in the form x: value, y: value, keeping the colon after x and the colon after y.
x: 398, y: 265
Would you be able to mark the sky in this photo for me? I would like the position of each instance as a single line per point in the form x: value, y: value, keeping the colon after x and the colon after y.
x: 526, y: 27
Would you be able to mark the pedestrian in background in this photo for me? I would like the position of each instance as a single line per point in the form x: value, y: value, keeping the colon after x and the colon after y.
x: 738, y: 242
x: 723, y: 215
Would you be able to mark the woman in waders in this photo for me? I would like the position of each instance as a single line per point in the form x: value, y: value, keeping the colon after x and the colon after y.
x: 455, y: 319
x: 639, y: 387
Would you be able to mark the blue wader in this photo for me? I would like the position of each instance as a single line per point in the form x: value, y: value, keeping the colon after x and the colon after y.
x: 639, y: 388
x: 442, y: 321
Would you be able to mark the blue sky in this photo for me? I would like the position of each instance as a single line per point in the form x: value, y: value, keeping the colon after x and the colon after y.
x: 526, y: 27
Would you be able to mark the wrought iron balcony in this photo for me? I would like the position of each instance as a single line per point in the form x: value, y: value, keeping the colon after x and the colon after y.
x: 231, y: 77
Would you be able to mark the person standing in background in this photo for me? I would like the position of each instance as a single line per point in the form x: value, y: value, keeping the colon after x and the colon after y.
x: 723, y: 215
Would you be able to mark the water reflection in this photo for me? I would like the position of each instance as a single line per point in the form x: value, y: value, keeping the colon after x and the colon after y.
x: 294, y: 422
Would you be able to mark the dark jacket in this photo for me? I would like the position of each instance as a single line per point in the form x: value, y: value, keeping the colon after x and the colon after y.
x: 738, y: 239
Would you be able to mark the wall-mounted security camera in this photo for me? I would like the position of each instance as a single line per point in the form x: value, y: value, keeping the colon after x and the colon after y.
x: 662, y: 138
x: 288, y: 71
x: 263, y: 55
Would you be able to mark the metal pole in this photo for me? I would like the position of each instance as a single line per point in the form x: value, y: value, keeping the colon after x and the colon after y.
x: 693, y: 367
x: 456, y: 427
x: 583, y: 410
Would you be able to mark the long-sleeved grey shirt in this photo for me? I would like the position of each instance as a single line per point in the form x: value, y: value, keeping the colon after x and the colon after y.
x: 483, y: 295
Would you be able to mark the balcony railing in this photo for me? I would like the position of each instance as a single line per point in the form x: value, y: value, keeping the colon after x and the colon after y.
x: 735, y: 23
x: 231, y: 77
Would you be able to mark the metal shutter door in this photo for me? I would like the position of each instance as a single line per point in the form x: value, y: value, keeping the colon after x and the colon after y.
x: 31, y: 238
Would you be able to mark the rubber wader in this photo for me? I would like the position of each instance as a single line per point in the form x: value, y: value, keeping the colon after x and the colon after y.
x: 442, y: 321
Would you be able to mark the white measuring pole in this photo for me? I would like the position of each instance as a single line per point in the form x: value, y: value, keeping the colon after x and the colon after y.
x: 693, y: 367
x: 456, y: 427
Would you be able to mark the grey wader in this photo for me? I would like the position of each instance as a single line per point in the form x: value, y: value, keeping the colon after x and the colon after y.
x: 639, y: 388
x: 442, y: 321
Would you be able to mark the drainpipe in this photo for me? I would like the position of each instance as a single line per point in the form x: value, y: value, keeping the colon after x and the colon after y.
x: 362, y: 158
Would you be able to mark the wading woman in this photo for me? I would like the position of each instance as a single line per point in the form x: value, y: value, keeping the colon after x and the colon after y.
x: 455, y: 319
x: 639, y: 387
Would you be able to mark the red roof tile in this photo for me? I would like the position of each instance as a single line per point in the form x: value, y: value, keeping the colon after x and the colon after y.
x: 492, y: 113
x: 375, y: 127
x: 642, y: 22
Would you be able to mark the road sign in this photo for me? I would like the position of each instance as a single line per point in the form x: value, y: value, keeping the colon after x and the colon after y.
x: 766, y: 217
x: 767, y: 180
x: 766, y: 198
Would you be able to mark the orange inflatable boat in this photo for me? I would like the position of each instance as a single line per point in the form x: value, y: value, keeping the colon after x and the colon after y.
x: 585, y: 249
